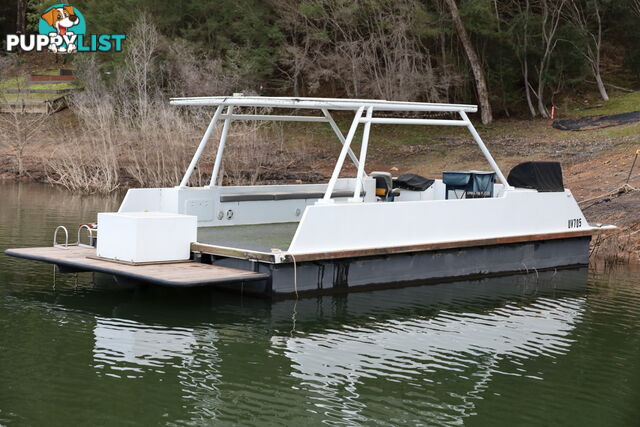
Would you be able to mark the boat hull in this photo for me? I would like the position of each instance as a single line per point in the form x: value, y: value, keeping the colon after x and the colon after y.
x: 403, y: 269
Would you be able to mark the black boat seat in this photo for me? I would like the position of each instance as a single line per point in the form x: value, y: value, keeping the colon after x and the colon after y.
x: 384, y: 186
x: 289, y: 195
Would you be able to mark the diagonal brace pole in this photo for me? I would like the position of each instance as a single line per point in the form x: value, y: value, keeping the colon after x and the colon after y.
x: 338, y: 132
x: 343, y: 155
x: 363, y: 156
x: 220, y: 153
x: 201, y: 147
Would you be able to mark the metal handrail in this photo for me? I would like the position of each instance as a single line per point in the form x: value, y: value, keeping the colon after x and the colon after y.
x: 55, y: 238
x: 79, y: 243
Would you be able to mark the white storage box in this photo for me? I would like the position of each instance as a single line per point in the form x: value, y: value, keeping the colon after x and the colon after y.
x: 146, y: 236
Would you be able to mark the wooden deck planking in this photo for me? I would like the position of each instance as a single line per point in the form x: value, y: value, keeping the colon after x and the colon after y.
x: 170, y: 274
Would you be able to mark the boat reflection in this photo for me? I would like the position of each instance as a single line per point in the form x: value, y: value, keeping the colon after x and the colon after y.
x: 128, y: 343
x: 441, y: 346
x: 518, y: 315
x: 459, y: 343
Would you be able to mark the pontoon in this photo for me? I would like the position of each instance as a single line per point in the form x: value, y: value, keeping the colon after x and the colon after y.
x: 368, y: 230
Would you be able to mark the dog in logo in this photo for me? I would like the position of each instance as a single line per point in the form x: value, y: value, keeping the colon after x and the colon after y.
x: 61, y: 18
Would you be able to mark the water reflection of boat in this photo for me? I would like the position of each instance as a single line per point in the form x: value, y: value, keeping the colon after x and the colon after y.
x: 518, y: 299
x: 459, y: 296
x: 130, y: 342
x: 191, y: 308
x: 468, y: 346
x: 444, y: 343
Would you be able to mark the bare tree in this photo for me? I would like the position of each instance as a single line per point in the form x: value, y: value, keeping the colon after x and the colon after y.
x: 137, y: 77
x: 127, y: 133
x: 20, y: 128
x: 550, y: 18
x: 585, y: 16
x: 364, y: 50
x: 474, y: 61
x: 520, y: 31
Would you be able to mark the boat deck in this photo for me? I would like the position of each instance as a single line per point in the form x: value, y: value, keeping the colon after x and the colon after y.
x: 180, y: 273
x: 262, y: 237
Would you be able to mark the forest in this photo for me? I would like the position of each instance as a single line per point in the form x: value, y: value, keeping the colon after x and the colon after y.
x: 511, y: 57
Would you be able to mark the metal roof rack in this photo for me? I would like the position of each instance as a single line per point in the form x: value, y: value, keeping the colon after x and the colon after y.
x: 320, y: 103
x: 238, y: 100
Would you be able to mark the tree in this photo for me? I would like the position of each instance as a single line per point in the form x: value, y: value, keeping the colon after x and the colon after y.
x: 474, y: 61
x: 19, y: 129
x: 361, y: 48
x: 550, y: 14
x: 21, y: 19
x: 519, y: 23
x: 585, y: 16
x: 243, y: 30
x: 138, y: 68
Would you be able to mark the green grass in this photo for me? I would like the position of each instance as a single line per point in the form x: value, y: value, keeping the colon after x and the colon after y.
x: 21, y: 83
x: 59, y: 86
x: 619, y: 103
x: 48, y: 73
x: 28, y: 97
x: 622, y: 131
x: 14, y: 83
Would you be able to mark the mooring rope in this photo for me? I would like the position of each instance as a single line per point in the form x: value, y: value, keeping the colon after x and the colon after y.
x: 295, y: 268
x: 295, y: 275
x: 625, y: 189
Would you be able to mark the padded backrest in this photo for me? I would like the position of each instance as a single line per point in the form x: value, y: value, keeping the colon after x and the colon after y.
x: 383, y: 181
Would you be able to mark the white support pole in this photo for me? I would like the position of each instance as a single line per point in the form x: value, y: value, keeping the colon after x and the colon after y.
x: 394, y: 121
x: 201, y: 146
x: 343, y: 155
x: 275, y: 118
x: 363, y: 157
x: 338, y: 132
x: 485, y: 151
x: 219, y: 154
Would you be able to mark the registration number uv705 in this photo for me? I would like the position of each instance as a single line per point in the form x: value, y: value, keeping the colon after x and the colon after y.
x: 575, y: 223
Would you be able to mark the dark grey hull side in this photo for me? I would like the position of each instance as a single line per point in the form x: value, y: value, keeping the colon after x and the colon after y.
x: 352, y: 274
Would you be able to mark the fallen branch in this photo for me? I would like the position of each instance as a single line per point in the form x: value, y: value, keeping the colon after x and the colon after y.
x: 624, y: 89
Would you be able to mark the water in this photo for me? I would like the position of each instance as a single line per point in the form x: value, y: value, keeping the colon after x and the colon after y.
x: 544, y: 349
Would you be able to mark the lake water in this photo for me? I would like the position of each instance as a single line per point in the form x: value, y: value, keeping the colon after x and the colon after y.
x: 542, y: 349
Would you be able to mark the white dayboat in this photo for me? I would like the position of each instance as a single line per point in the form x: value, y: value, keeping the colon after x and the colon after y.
x: 363, y: 231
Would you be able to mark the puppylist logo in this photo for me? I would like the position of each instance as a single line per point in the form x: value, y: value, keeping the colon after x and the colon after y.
x: 62, y: 29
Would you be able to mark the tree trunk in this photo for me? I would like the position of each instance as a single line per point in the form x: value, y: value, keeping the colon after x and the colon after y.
x: 541, y: 107
x: 20, y: 157
x: 21, y: 20
x: 476, y: 66
x: 525, y: 62
x: 527, y: 88
x: 600, y: 83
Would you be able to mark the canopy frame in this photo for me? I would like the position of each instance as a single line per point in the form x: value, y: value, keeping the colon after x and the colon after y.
x: 233, y: 105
